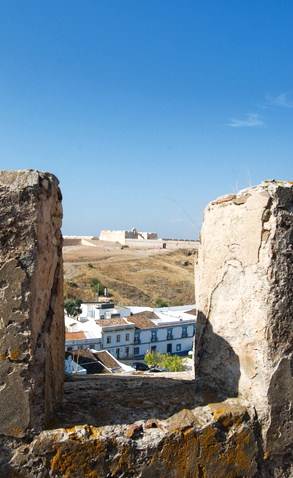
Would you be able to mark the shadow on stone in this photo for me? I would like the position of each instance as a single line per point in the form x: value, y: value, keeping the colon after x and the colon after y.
x: 214, y: 357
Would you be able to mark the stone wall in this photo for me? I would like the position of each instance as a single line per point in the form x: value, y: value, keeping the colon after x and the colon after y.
x: 244, y: 284
x: 31, y: 301
x: 236, y: 422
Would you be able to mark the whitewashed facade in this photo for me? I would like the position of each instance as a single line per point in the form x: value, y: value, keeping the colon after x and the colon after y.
x: 173, y: 339
x: 165, y: 330
x: 102, y: 310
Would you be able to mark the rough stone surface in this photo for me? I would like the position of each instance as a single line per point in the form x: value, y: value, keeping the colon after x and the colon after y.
x: 210, y: 442
x: 244, y: 284
x: 237, y: 424
x: 31, y: 301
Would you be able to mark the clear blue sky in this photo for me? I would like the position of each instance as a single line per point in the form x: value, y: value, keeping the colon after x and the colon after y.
x: 146, y: 109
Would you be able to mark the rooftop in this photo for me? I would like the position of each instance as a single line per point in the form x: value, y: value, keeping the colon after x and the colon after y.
x: 113, y: 322
x: 75, y: 335
x: 107, y: 359
x: 143, y: 320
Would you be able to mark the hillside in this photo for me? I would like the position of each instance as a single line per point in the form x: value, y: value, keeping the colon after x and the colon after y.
x: 138, y: 277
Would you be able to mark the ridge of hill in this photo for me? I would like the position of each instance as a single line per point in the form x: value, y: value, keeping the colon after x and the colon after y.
x: 132, y: 276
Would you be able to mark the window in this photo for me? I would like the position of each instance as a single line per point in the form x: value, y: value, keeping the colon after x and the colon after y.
x: 169, y: 334
x: 118, y: 353
x: 153, y: 348
x: 136, y: 350
x: 127, y: 337
x: 184, y: 331
x: 154, y: 336
x: 108, y: 339
x: 118, y: 338
x: 127, y: 351
x: 178, y: 347
x: 137, y: 338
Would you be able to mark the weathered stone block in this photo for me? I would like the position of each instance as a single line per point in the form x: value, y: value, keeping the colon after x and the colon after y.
x: 244, y: 284
x: 31, y: 301
x: 213, y: 442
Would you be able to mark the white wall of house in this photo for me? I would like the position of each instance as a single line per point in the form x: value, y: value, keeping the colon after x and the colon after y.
x: 119, y: 341
x: 169, y: 339
x: 125, y: 341
x: 88, y: 310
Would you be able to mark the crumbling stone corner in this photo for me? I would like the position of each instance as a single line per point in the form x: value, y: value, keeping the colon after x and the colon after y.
x: 244, y: 284
x: 31, y: 301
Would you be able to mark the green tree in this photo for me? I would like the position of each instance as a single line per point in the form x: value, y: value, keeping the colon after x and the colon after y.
x: 72, y: 307
x: 97, y: 286
x: 173, y: 363
x: 152, y: 359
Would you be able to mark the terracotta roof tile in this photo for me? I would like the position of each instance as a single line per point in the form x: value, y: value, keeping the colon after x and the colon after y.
x: 106, y: 359
x: 115, y: 321
x: 75, y: 336
x: 143, y: 320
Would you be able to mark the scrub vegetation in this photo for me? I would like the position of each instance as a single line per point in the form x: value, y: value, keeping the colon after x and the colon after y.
x: 154, y: 278
x: 172, y: 363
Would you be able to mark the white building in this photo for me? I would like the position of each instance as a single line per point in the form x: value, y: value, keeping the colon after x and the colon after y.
x: 117, y: 337
x: 132, y: 238
x: 164, y: 330
x: 102, y: 310
x: 85, y: 334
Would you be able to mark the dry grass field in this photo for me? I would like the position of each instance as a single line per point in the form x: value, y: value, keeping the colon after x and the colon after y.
x: 132, y: 276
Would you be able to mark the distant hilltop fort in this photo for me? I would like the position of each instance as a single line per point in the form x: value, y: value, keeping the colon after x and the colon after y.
x: 130, y: 238
x: 126, y: 237
x: 138, y: 239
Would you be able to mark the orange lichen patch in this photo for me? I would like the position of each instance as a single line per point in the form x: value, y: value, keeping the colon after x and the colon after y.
x: 176, y: 456
x: 228, y: 414
x: 209, y: 453
x: 16, y: 432
x: 239, y: 454
x: 74, y: 459
x: 14, y: 354
x: 94, y: 432
x: 125, y: 462
x: 91, y: 459
x: 209, y: 446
